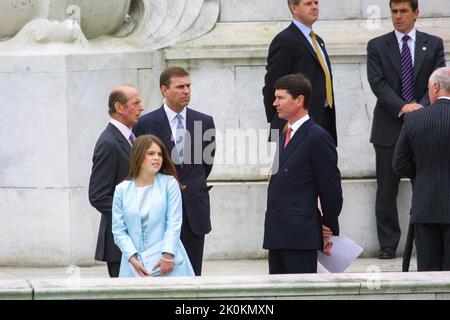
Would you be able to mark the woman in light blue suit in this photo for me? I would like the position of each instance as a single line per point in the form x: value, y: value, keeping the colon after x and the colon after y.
x: 147, y: 214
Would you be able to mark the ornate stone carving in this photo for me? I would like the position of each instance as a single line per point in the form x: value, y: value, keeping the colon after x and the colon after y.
x: 162, y: 23
x: 153, y: 23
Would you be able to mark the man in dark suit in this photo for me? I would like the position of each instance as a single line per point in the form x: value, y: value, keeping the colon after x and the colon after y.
x: 307, y: 169
x: 297, y: 49
x: 398, y: 67
x: 110, y: 167
x: 422, y: 153
x: 190, y: 137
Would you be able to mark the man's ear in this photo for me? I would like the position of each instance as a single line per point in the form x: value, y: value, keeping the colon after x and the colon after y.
x: 301, y: 101
x: 164, y: 90
x: 119, y: 107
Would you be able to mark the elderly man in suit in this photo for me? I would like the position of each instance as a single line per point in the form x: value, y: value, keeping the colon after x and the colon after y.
x: 110, y: 167
x: 299, y: 49
x: 399, y: 65
x: 189, y: 136
x: 422, y: 152
x: 307, y: 169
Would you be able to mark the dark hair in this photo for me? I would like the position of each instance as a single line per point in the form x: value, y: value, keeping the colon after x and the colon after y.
x: 297, y: 85
x: 140, y: 147
x: 117, y: 95
x: 294, y: 2
x: 169, y: 73
x: 413, y: 3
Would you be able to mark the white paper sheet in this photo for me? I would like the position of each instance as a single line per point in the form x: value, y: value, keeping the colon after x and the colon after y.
x: 343, y: 253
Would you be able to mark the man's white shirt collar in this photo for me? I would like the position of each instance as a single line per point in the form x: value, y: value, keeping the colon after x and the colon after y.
x: 297, y: 124
x: 172, y: 114
x: 411, y: 34
x: 124, y: 130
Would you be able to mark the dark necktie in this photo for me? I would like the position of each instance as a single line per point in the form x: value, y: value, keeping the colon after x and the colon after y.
x: 408, y: 92
x: 132, y: 138
x: 288, y: 136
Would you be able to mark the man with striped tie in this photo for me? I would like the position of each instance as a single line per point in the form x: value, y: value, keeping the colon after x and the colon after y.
x: 422, y: 152
x: 189, y: 136
x: 399, y: 65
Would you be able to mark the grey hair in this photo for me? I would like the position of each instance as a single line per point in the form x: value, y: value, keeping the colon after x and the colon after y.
x: 442, y: 77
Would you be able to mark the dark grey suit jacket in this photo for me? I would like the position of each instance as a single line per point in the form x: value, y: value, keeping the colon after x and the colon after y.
x: 111, y: 162
x: 290, y: 52
x: 384, y: 75
x: 423, y: 152
x: 307, y: 169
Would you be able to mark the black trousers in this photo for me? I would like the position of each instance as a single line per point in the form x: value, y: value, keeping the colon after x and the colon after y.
x: 292, y: 261
x: 194, y: 245
x: 432, y: 247
x: 113, y: 269
x: 388, y: 227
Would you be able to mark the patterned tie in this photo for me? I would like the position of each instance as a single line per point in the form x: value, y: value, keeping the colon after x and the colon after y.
x: 288, y: 136
x: 132, y: 138
x: 180, y: 137
x: 328, y: 85
x: 408, y: 91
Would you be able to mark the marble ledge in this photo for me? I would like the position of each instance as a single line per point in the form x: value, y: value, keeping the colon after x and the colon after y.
x: 250, y: 40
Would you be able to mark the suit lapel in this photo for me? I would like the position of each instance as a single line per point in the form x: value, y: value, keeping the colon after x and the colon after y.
x: 295, y: 141
x: 163, y: 127
x: 188, y: 142
x: 393, y: 53
x: 420, y: 52
x: 301, y: 37
x: 120, y: 138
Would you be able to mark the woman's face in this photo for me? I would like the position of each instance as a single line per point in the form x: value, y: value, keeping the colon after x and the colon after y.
x: 153, y: 159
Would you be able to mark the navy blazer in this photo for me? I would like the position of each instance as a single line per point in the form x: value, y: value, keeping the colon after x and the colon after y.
x: 384, y: 75
x: 423, y: 152
x: 307, y: 169
x: 196, y: 169
x: 290, y: 52
x: 111, y: 162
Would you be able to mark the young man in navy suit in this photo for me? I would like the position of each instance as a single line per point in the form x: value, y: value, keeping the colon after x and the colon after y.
x: 307, y: 170
x: 189, y: 136
x: 399, y: 65
x: 298, y: 49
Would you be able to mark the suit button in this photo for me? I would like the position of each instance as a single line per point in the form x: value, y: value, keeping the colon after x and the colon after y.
x: 286, y: 170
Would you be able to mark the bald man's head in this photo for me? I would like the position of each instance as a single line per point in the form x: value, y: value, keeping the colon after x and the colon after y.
x: 119, y: 94
x: 439, y: 84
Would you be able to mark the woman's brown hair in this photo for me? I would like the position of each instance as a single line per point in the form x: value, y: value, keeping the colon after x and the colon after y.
x: 140, y: 147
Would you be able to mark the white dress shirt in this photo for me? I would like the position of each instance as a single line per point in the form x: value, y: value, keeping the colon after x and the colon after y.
x: 124, y: 130
x: 171, y: 116
x: 297, y: 124
x: 411, y: 42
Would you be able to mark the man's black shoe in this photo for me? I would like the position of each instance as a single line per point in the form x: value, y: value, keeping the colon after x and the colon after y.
x: 386, y: 254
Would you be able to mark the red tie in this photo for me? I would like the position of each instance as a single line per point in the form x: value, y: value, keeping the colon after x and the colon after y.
x: 288, y: 136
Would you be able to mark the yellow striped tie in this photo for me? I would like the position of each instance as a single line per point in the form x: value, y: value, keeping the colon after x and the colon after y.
x: 329, y: 87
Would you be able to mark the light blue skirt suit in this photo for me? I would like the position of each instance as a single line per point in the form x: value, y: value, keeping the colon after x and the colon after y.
x: 164, y: 223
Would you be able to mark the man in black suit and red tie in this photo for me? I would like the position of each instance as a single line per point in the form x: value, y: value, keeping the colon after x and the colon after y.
x: 110, y: 165
x: 297, y: 49
x: 399, y: 65
x: 190, y: 137
x: 307, y: 169
x: 423, y: 153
